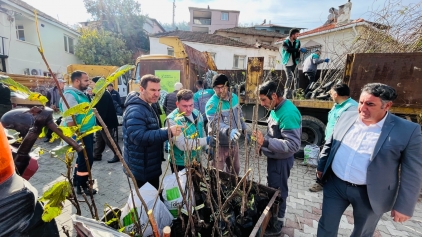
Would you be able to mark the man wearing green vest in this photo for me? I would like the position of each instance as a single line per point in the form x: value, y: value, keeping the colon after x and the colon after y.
x: 226, y: 120
x: 281, y: 142
x: 188, y: 145
x: 74, y: 95
x: 340, y: 93
x: 290, y: 56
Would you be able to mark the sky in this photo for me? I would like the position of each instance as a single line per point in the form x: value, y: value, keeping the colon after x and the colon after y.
x: 299, y: 13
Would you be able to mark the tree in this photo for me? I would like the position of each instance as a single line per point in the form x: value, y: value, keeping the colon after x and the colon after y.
x: 123, y: 18
x: 179, y: 25
x: 100, y: 47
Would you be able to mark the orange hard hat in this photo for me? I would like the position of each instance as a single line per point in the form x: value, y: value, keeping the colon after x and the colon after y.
x: 7, y: 165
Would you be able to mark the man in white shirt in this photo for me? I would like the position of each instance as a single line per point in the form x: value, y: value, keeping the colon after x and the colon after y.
x: 360, y: 163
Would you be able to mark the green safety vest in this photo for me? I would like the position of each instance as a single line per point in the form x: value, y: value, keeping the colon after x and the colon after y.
x: 80, y: 98
x: 189, y: 131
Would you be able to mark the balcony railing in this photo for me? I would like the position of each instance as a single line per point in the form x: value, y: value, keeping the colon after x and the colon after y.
x: 201, y: 21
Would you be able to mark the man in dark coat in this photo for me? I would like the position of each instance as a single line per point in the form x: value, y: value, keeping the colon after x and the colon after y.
x: 53, y: 96
x: 5, y: 102
x: 107, y: 112
x: 143, y: 138
x: 170, y: 100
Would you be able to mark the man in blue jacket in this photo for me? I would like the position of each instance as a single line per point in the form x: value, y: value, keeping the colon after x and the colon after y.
x: 290, y: 56
x: 142, y: 136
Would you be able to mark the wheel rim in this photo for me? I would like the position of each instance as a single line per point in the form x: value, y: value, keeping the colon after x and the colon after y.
x: 309, y: 136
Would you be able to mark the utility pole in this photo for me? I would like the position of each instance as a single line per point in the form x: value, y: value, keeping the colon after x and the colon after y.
x: 174, y: 13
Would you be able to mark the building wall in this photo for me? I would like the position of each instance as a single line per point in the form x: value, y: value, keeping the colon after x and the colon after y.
x: 24, y: 54
x: 151, y: 27
x: 249, y: 39
x: 224, y: 55
x: 216, y: 22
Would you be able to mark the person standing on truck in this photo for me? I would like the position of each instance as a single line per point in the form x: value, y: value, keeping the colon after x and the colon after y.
x: 340, y: 94
x: 229, y: 131
x: 372, y: 161
x: 170, y: 100
x: 107, y: 112
x: 5, y: 102
x: 200, y: 99
x: 53, y: 96
x: 74, y: 95
x: 290, y: 55
x: 193, y: 135
x: 281, y: 142
x: 116, y: 98
x: 142, y: 137
x: 310, y: 66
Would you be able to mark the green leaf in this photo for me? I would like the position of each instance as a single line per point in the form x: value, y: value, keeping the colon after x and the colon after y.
x: 90, y: 131
x: 82, y: 108
x: 13, y: 135
x: 15, y: 86
x: 100, y: 85
x: 96, y: 98
x: 61, y: 151
x: 35, y: 96
x: 55, y: 196
x: 119, y: 72
x: 86, y: 119
x: 51, y: 212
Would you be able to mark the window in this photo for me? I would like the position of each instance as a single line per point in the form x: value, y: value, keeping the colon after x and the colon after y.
x: 69, y: 45
x: 170, y: 51
x: 20, y: 33
x: 271, y: 61
x: 239, y: 61
x: 224, y: 16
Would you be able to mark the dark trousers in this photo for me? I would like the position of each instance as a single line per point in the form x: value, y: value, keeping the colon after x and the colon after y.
x: 291, y: 78
x: 338, y: 195
x: 81, y: 163
x: 101, y: 140
x: 154, y: 182
x: 311, y: 78
x: 278, y: 174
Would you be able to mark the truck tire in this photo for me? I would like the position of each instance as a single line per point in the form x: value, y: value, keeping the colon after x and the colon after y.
x: 313, y: 132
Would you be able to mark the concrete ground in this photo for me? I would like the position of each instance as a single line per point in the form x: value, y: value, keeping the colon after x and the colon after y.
x: 303, y: 207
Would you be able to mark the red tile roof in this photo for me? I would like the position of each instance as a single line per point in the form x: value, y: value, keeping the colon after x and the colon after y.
x: 205, y: 38
x: 329, y: 27
x: 251, y: 31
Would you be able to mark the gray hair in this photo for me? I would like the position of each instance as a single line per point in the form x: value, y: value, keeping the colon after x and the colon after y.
x: 384, y: 92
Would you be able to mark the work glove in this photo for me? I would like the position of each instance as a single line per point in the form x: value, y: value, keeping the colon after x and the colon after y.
x: 303, y: 50
x: 234, y: 135
x: 327, y: 60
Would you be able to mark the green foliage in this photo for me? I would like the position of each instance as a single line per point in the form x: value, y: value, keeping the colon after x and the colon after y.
x: 81, y: 108
x: 13, y: 136
x: 178, y: 25
x: 123, y: 18
x: 22, y: 90
x: 61, y: 151
x: 55, y: 198
x: 99, y: 47
x: 90, y: 131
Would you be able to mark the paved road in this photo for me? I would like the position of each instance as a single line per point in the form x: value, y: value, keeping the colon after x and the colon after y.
x: 302, y: 205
